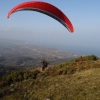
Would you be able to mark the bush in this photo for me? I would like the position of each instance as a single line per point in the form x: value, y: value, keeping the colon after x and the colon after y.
x: 85, y: 58
x: 91, y: 57
x: 18, y: 76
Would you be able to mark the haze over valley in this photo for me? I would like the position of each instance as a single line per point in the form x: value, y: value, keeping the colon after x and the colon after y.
x: 17, y: 55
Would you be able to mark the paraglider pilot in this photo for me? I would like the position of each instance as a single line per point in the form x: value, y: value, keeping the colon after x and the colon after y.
x: 44, y: 64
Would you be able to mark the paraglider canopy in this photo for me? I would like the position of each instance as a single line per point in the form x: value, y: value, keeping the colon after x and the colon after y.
x: 44, y: 8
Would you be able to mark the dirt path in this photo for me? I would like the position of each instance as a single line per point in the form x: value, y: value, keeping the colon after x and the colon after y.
x: 49, y: 67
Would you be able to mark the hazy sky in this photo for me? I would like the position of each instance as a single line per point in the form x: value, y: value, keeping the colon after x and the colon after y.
x: 38, y: 28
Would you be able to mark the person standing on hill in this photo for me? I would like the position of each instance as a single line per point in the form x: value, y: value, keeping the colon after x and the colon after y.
x: 44, y: 64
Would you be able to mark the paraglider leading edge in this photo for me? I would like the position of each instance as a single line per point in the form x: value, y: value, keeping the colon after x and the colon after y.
x: 45, y: 8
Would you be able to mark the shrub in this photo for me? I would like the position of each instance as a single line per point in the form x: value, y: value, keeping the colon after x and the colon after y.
x: 85, y: 58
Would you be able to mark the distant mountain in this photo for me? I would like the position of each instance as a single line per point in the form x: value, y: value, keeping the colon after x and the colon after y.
x: 18, y: 53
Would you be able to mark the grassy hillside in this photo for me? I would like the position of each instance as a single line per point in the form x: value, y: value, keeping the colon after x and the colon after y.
x: 76, y: 80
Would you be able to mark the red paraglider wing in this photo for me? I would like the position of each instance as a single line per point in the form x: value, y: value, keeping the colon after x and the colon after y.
x: 45, y: 8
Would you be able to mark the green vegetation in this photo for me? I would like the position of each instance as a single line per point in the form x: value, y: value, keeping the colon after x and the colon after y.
x: 75, y: 80
x: 85, y: 58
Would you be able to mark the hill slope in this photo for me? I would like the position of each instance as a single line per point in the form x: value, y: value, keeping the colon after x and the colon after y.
x: 76, y: 80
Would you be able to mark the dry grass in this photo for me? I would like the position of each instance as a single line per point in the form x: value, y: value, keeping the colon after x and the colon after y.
x: 68, y: 81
